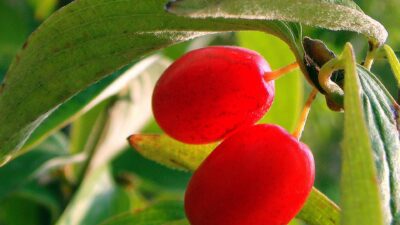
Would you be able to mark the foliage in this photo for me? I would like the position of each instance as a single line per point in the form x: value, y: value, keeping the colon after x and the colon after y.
x: 81, y: 83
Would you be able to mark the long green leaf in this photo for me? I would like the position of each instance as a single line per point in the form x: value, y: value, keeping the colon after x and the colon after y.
x: 86, y: 100
x: 43, y: 196
x: 11, y: 208
x: 178, y: 222
x: 159, y: 214
x: 12, y: 37
x: 330, y: 14
x: 97, y: 199
x: 43, y: 8
x: 89, y: 39
x: 130, y: 113
x: 318, y: 210
x: 381, y: 119
x: 21, y: 171
x: 288, y: 89
x: 394, y: 62
x: 169, y: 152
x: 360, y: 197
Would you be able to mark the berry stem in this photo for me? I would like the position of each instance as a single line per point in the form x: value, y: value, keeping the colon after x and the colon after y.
x: 273, y: 75
x: 304, y: 114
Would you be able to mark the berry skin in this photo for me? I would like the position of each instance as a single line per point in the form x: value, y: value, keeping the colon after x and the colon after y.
x: 259, y: 175
x: 210, y: 92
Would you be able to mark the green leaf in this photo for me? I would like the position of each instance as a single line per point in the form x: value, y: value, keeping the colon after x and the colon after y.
x: 21, y: 171
x: 381, y: 119
x: 82, y: 128
x: 97, y: 199
x: 288, y: 89
x: 19, y: 210
x: 12, y: 34
x: 370, y: 169
x: 156, y: 179
x: 394, y: 62
x: 360, y: 197
x: 43, y: 8
x: 87, y: 40
x: 178, y: 222
x: 330, y: 14
x: 169, y: 152
x: 295, y: 222
x: 87, y: 99
x: 102, y: 133
x: 42, y: 196
x: 130, y: 113
x: 159, y: 214
x: 318, y: 210
x: 79, y: 172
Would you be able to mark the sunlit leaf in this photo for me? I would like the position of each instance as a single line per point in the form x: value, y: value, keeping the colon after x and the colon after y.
x: 360, y: 198
x: 334, y: 15
x: 169, y: 152
x: 394, y: 62
x: 319, y: 210
x: 43, y: 8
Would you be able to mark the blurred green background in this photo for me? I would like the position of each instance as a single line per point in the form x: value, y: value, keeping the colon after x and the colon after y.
x: 40, y: 194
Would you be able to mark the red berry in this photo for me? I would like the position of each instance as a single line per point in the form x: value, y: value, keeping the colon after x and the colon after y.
x: 210, y: 92
x: 259, y: 175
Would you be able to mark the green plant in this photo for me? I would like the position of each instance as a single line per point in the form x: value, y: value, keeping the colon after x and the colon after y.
x: 90, y: 68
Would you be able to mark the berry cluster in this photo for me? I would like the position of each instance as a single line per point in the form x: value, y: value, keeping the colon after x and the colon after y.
x: 259, y: 174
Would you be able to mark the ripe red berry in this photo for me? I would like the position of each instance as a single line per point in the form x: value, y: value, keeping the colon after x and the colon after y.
x: 259, y: 175
x: 210, y: 92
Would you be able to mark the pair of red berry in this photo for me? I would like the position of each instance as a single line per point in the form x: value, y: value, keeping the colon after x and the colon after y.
x: 259, y: 174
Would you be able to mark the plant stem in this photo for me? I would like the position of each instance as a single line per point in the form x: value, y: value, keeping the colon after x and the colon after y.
x: 273, y: 75
x: 369, y: 59
x: 92, y: 145
x: 324, y: 76
x: 304, y: 114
